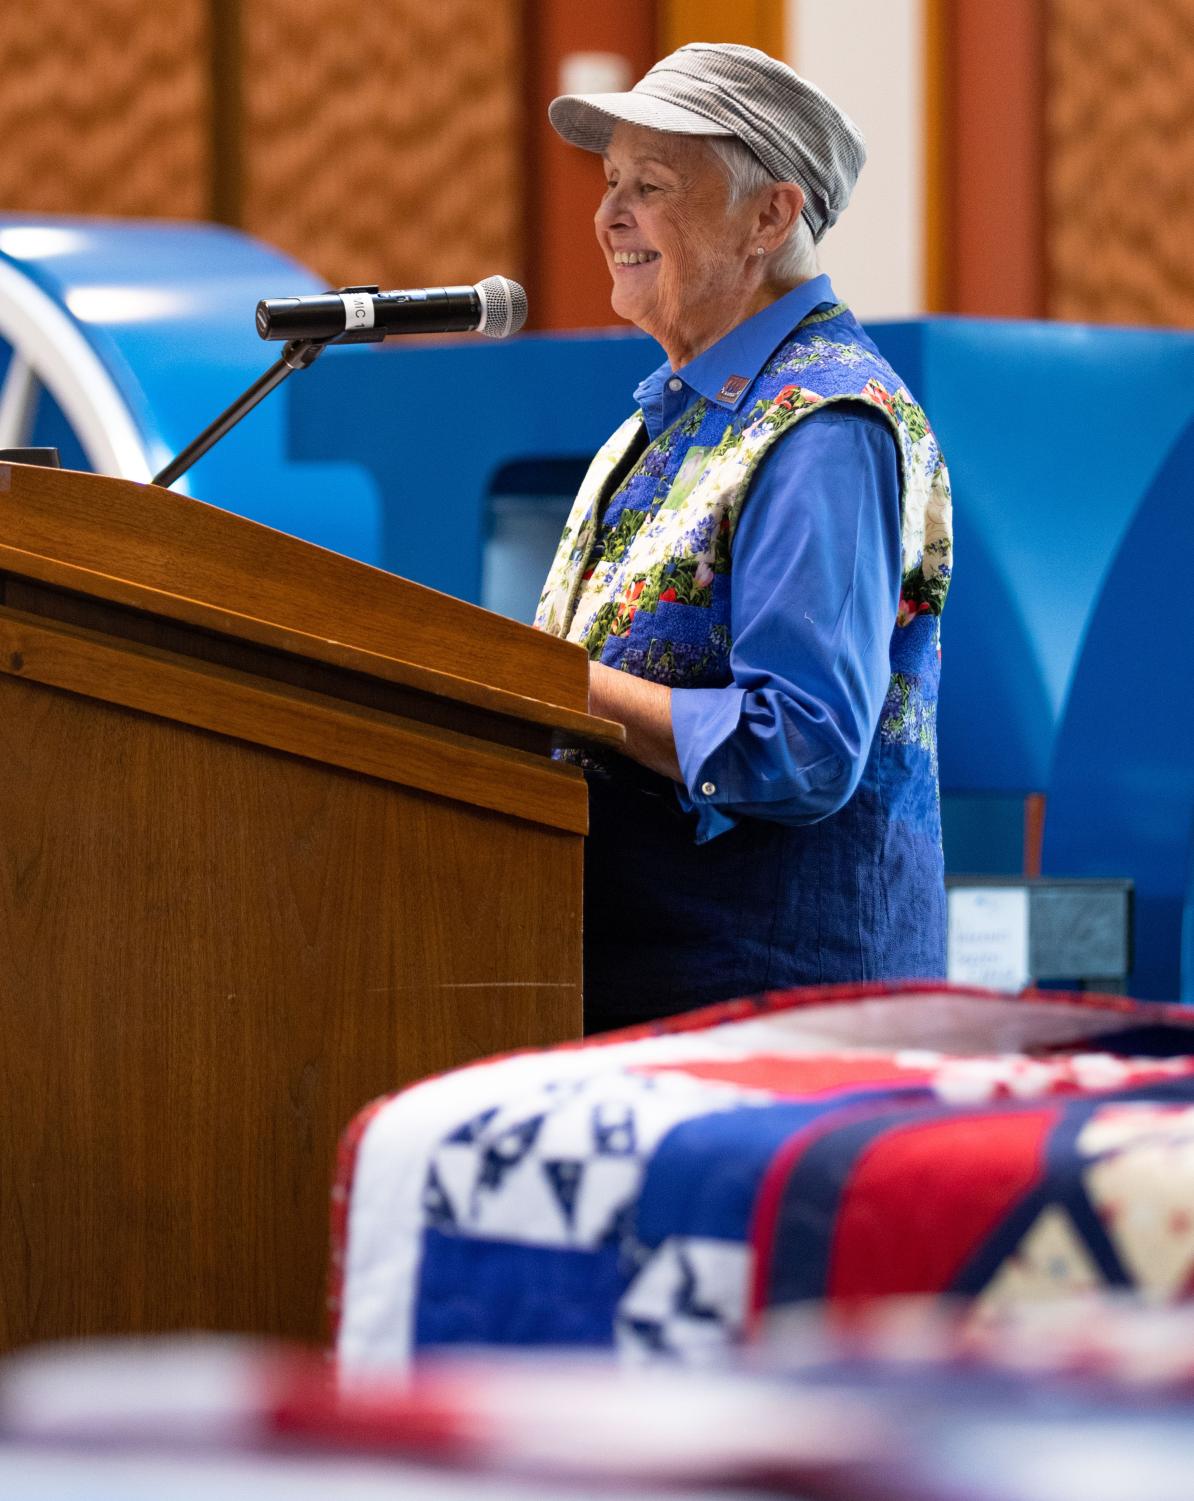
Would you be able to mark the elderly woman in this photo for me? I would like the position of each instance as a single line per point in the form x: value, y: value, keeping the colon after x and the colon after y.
x: 756, y: 565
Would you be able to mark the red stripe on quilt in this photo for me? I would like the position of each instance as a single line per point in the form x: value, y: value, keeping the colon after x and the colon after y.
x: 769, y: 1199
x: 922, y: 1199
x: 795, y: 1075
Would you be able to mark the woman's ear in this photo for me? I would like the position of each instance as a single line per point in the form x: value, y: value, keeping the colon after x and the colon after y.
x: 778, y: 213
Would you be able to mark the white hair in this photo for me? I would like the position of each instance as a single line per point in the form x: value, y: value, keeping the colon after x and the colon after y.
x: 796, y: 259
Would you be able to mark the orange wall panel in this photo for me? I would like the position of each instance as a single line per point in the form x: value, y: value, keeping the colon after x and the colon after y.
x: 568, y: 284
x: 754, y: 23
x: 996, y: 172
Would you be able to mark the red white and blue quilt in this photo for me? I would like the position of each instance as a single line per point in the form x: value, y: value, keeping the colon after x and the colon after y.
x: 660, y: 1191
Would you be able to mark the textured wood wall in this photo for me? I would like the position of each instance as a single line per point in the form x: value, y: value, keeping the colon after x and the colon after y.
x: 104, y: 107
x: 1119, y: 160
x: 376, y: 140
x: 382, y: 138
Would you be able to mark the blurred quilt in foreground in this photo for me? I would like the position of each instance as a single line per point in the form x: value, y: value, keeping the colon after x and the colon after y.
x: 899, y: 1402
x: 661, y: 1191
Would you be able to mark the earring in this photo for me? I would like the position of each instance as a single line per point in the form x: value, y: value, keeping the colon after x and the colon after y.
x: 760, y: 251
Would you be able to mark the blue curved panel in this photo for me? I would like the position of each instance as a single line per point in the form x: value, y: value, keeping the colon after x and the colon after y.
x: 168, y: 308
x: 1123, y: 787
x: 1051, y: 449
x: 435, y: 423
x: 1065, y: 505
x: 994, y: 719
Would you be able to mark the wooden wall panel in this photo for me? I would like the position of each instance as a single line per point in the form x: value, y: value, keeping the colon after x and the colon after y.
x: 104, y: 107
x: 1120, y: 161
x: 382, y: 138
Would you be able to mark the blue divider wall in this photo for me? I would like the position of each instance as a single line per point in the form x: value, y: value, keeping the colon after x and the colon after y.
x: 1050, y: 461
x: 1123, y: 773
x: 168, y: 309
x: 434, y: 425
x: 1068, y: 637
x: 1053, y: 434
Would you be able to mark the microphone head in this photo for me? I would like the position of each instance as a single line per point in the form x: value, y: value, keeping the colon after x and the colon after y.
x: 503, y: 307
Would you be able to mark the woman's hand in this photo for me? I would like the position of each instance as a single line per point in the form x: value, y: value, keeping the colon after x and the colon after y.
x: 644, y: 708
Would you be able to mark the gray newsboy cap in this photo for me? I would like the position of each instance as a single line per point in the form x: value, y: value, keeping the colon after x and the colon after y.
x: 722, y: 89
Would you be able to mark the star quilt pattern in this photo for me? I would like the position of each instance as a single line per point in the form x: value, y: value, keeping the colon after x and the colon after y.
x: 662, y: 1191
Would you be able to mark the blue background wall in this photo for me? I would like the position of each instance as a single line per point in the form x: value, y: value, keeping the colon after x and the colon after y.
x: 1069, y: 634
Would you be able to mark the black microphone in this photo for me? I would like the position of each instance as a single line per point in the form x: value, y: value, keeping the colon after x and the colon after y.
x: 496, y: 307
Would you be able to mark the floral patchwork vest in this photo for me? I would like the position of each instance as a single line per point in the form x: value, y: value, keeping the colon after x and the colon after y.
x: 643, y: 579
x: 665, y: 536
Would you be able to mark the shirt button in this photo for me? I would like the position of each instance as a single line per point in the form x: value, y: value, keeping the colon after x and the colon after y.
x: 675, y: 384
x: 708, y: 788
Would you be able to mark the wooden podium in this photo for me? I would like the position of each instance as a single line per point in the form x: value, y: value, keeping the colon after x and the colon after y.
x: 279, y: 833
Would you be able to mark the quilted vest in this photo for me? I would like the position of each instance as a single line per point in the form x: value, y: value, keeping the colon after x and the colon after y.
x: 643, y: 578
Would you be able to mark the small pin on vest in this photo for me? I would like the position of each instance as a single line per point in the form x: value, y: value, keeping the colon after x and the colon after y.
x: 733, y: 389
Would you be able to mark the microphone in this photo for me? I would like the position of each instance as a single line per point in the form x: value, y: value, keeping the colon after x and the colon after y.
x: 495, y: 307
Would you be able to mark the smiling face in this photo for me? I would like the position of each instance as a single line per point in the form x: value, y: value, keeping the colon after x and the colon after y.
x: 681, y: 258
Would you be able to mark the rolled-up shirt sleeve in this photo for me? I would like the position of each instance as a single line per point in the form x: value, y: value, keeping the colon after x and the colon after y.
x: 815, y: 590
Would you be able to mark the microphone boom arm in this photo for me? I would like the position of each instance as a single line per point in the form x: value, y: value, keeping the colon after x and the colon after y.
x: 296, y: 355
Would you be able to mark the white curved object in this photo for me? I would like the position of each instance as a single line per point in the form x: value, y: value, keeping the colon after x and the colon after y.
x: 48, y: 349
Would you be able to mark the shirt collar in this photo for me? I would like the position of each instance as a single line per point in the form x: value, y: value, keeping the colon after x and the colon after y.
x: 724, y: 371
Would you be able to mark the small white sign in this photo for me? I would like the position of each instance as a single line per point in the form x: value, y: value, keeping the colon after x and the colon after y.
x: 988, y: 937
x: 595, y: 73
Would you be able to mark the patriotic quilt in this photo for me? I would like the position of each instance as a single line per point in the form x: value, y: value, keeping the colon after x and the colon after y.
x: 663, y: 1191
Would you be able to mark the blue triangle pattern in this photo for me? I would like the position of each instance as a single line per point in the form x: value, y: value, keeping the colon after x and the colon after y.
x: 565, y: 1179
x: 471, y: 1130
x: 613, y: 1130
x: 437, y: 1207
x: 506, y: 1151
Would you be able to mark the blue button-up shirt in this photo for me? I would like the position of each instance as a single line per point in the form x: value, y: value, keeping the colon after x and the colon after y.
x: 816, y: 586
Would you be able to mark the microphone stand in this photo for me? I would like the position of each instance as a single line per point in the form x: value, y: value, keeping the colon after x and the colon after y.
x: 296, y: 355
